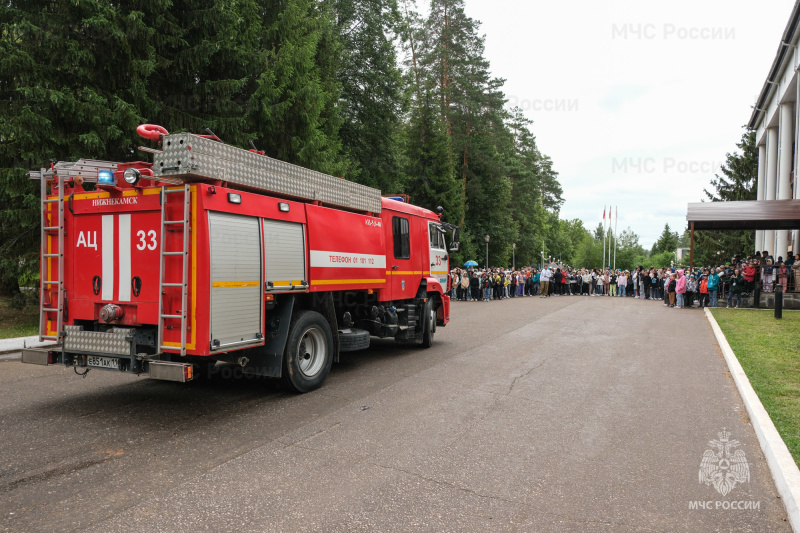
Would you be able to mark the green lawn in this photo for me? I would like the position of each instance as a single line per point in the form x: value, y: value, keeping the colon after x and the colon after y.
x: 769, y: 352
x: 17, y: 322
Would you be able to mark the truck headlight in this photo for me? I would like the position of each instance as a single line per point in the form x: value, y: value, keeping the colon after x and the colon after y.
x: 132, y: 176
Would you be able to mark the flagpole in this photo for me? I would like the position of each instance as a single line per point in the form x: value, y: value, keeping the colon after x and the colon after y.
x: 603, y: 265
x: 616, y: 219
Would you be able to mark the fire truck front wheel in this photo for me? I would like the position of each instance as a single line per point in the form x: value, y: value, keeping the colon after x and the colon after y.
x: 309, y: 352
x: 429, y: 323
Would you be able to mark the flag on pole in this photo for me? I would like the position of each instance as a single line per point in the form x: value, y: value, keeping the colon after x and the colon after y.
x: 604, y: 213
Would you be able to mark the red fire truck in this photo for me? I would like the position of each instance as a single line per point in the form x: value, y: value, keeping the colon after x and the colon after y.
x: 214, y: 253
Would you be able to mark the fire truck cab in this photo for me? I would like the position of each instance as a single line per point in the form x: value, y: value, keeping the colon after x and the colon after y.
x: 213, y: 253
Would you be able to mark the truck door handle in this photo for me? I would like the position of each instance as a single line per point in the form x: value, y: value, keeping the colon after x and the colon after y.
x: 395, y: 267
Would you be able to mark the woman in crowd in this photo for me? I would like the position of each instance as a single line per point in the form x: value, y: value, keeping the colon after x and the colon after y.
x: 586, y: 282
x: 680, y: 289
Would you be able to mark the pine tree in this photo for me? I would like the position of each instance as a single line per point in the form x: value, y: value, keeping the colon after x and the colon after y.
x: 207, y: 56
x: 69, y: 72
x: 737, y: 183
x: 293, y: 111
x: 527, y: 209
x: 372, y: 97
x: 667, y: 241
x: 470, y: 104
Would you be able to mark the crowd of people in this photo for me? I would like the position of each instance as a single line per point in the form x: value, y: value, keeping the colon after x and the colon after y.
x: 675, y: 287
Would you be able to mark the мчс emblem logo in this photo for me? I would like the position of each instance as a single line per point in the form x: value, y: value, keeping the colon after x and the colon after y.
x: 724, y: 468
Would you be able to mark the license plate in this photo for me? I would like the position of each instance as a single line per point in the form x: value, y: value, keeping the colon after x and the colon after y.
x: 102, y: 362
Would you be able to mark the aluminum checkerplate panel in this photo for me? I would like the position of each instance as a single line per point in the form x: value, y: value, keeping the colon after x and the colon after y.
x: 112, y: 342
x: 185, y: 155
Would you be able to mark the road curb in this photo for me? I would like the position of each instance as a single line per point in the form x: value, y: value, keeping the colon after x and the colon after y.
x: 20, y: 343
x: 781, y: 463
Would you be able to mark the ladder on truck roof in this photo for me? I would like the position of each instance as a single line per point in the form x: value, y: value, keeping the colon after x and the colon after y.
x: 188, y: 157
x: 183, y: 285
x: 49, y: 256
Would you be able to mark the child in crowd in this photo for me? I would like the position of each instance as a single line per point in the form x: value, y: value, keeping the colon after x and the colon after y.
x: 691, y: 289
x: 782, y: 275
x: 673, y: 283
x: 767, y: 276
x: 704, y: 289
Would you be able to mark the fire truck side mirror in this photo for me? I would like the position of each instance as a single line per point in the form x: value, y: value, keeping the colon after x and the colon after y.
x: 456, y: 238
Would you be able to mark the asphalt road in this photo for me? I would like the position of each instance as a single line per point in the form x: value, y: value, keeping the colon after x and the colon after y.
x: 565, y: 414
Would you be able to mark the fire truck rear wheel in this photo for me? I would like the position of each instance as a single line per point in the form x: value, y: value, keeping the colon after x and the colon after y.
x: 429, y: 323
x: 309, y: 352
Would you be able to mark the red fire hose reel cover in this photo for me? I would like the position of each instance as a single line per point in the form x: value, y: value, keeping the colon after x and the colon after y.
x: 151, y: 132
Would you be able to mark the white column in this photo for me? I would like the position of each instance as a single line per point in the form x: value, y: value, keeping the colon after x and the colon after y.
x: 784, y: 189
x: 796, y: 196
x: 796, y: 241
x: 760, y: 189
x: 772, y: 182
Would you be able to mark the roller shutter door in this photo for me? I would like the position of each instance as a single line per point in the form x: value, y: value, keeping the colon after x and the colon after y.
x: 284, y: 253
x: 236, y: 292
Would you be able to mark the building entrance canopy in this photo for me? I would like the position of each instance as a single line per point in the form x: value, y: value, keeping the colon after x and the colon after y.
x: 764, y: 215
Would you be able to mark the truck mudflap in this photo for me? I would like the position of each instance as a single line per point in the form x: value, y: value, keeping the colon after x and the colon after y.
x: 443, y: 312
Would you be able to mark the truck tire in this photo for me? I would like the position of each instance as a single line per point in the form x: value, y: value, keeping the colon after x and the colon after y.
x: 352, y: 340
x: 428, y: 323
x: 308, y: 355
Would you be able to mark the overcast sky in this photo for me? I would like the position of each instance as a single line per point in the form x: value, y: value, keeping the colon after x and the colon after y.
x: 636, y: 102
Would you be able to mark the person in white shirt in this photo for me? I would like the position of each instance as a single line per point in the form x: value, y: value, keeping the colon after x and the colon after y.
x: 544, y: 282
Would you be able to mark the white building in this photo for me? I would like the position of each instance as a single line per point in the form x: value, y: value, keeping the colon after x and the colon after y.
x: 775, y: 120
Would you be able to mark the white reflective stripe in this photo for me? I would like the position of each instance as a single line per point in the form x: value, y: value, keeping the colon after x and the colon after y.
x: 124, y: 258
x: 323, y: 259
x: 108, y: 257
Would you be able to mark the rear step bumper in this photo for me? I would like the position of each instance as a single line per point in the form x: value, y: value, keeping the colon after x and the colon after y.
x: 163, y: 370
x: 41, y: 356
x: 181, y: 372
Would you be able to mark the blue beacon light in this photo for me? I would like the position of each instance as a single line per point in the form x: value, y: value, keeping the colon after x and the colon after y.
x: 105, y: 177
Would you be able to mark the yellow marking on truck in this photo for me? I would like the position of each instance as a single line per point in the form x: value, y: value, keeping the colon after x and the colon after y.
x: 131, y: 192
x: 346, y: 281
x: 287, y: 283
x: 229, y: 284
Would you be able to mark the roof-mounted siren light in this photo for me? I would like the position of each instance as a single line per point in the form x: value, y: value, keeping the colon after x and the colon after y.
x: 439, y: 211
x: 395, y: 198
x: 105, y: 178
